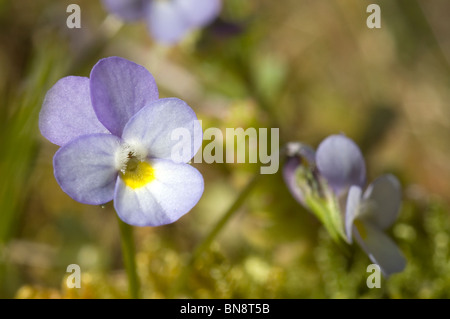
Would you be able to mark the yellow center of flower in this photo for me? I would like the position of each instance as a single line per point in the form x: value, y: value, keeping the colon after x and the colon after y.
x: 137, y: 173
x: 361, y: 229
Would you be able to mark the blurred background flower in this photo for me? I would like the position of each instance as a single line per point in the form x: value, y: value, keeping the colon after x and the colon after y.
x: 320, y: 180
x: 168, y: 21
x: 311, y: 68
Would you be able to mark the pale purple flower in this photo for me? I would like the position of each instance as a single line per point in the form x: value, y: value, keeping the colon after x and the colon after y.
x: 332, y: 179
x: 369, y: 214
x: 338, y: 161
x: 116, y: 144
x: 167, y: 20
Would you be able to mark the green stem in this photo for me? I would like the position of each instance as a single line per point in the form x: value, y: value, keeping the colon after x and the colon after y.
x: 327, y: 215
x: 213, y: 234
x: 128, y: 253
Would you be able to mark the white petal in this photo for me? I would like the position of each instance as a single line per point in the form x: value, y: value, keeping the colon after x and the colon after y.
x: 352, y: 210
x: 175, y: 190
x: 167, y: 128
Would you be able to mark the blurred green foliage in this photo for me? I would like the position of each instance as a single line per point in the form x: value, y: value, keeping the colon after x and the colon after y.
x: 311, y: 68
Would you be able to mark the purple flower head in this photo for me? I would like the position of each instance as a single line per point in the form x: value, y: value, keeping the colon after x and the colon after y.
x: 330, y: 181
x: 338, y: 162
x: 320, y: 180
x: 368, y: 215
x: 168, y: 20
x: 116, y: 144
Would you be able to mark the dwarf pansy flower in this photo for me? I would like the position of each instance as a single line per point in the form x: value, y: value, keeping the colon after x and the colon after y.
x: 168, y: 20
x: 329, y: 183
x: 368, y: 214
x: 115, y: 138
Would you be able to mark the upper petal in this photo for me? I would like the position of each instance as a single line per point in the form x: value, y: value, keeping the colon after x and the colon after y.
x: 166, y: 22
x: 352, y: 210
x: 167, y: 128
x: 67, y: 111
x: 119, y: 89
x: 382, y: 201
x: 86, y: 168
x: 380, y: 249
x: 297, y: 154
x: 340, y: 161
x: 289, y: 176
x: 175, y: 190
x: 199, y: 12
x: 128, y: 10
x: 302, y: 151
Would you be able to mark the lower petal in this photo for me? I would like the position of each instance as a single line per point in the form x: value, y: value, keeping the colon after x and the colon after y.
x: 85, y: 168
x: 172, y: 192
x: 380, y: 248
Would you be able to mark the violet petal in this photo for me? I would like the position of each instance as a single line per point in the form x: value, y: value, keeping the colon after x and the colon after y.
x: 86, y: 168
x: 340, y: 162
x: 67, y: 112
x: 119, y: 89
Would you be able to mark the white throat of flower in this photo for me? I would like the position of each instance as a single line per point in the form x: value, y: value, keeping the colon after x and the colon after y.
x: 133, y: 166
x: 129, y: 154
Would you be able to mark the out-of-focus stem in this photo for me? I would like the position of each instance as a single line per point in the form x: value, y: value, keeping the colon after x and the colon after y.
x: 213, y: 234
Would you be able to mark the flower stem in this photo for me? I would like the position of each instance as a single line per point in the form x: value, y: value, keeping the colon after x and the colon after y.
x: 213, y: 234
x: 128, y: 253
x: 328, y: 214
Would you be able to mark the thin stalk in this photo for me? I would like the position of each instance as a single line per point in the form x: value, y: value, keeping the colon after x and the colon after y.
x: 128, y: 254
